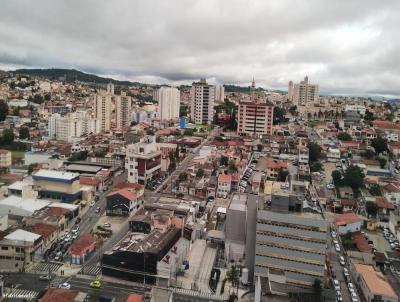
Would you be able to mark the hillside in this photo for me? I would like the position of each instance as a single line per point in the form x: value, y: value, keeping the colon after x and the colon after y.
x: 72, y: 75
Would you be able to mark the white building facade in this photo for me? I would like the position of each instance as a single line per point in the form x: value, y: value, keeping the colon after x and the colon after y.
x: 202, y: 102
x: 168, y: 102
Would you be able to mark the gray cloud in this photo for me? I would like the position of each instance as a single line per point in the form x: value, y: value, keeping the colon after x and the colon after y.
x: 348, y: 47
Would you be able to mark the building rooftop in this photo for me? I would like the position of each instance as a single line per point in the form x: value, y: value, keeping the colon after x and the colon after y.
x: 303, y: 219
x: 81, y: 244
x: 153, y: 242
x: 123, y: 192
x: 83, y: 168
x: 27, y: 204
x: 56, y: 175
x: 22, y: 235
x: 61, y: 295
x: 18, y: 185
x: 346, y: 218
x: 376, y: 282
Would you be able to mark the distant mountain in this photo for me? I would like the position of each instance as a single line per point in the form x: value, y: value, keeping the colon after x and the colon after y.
x: 71, y: 75
x: 393, y: 100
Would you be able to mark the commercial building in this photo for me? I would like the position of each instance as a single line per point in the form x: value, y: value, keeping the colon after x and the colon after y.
x: 202, y: 102
x: 121, y: 203
x: 255, y: 117
x: 290, y: 248
x: 304, y: 93
x: 102, y: 110
x: 373, y: 284
x: 58, y: 185
x: 168, y: 102
x: 143, y: 160
x: 5, y: 158
x: 17, y: 250
x: 123, y: 104
x: 82, y: 249
x: 152, y: 256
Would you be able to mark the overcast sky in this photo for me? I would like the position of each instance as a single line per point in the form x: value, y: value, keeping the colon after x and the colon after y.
x: 347, y: 46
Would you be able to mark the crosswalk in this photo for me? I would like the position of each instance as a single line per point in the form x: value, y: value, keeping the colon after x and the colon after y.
x: 21, y: 294
x: 91, y: 270
x: 56, y: 281
x: 45, y: 267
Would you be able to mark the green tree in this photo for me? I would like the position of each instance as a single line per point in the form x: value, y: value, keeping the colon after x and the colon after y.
x: 232, y: 166
x: 31, y: 167
x: 183, y: 176
x: 150, y: 132
x: 282, y: 174
x: 369, y: 116
x: 76, y: 156
x: 314, y: 151
x: 16, y: 111
x: 382, y: 161
x: 337, y: 178
x: 223, y: 161
x: 183, y: 110
x: 315, y: 167
x: 37, y: 98
x: 344, y: 136
x: 354, y: 177
x: 188, y: 132
x: 279, y: 115
x: 200, y: 173
x: 171, y: 167
x: 379, y: 144
x: 375, y: 190
x: 3, y: 110
x: 259, y: 147
x: 317, y: 290
x: 371, y: 208
x: 24, y: 133
x: 368, y: 154
x: 8, y: 137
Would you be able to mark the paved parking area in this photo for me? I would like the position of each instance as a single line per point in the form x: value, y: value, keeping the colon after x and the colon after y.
x: 381, y: 244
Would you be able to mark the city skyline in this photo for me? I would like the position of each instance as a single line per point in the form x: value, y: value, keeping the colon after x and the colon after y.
x: 347, y: 48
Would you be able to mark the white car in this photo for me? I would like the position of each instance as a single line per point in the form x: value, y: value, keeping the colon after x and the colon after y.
x: 333, y: 233
x: 65, y: 285
x: 336, y: 284
x: 354, y: 297
x: 106, y: 225
x: 335, y: 241
x: 337, y: 248
x: 91, y: 204
x: 342, y: 261
x: 346, y: 272
x: 351, y: 287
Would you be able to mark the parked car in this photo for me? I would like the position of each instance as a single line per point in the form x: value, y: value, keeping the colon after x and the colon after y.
x: 342, y: 262
x: 78, y: 220
x: 337, y: 248
x: 336, y: 284
x: 106, y: 225
x: 98, y: 210
x: 91, y: 204
x: 346, y: 272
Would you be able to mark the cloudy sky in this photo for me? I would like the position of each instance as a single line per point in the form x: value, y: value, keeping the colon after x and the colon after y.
x: 348, y: 47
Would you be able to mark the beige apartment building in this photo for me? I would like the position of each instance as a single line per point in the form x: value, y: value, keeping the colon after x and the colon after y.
x: 255, y: 117
x: 102, y: 110
x: 123, y: 104
x: 5, y: 158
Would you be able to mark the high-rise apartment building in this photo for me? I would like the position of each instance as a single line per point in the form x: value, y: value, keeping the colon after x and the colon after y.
x: 255, y: 117
x: 290, y: 91
x: 202, y: 98
x: 304, y: 92
x: 123, y: 104
x: 219, y: 92
x: 110, y: 88
x: 168, y: 102
x: 102, y: 109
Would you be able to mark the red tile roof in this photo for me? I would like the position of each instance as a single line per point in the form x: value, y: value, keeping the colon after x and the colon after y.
x: 84, y: 242
x: 371, y: 162
x: 56, y: 211
x: 59, y: 295
x: 224, y: 178
x: 135, y: 298
x: 391, y: 188
x: 385, y: 125
x: 89, y: 181
x: 274, y: 164
x: 43, y: 229
x: 235, y: 177
x: 123, y: 192
x: 128, y: 185
x: 361, y: 242
x: 346, y: 218
x: 4, y: 151
x: 383, y: 203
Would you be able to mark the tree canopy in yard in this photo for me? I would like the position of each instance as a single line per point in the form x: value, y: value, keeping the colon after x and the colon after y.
x: 279, y: 115
x: 314, y: 151
x: 24, y: 133
x: 3, y: 110
x: 372, y: 208
x: 344, y: 136
x: 282, y: 174
x: 354, y: 177
x: 382, y: 161
x: 337, y: 178
x: 379, y: 144
x: 375, y: 190
x: 8, y: 137
x: 200, y: 173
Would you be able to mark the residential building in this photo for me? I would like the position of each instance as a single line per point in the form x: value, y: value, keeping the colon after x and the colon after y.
x: 123, y: 104
x: 374, y: 285
x: 168, y: 102
x: 58, y: 185
x: 82, y: 249
x: 348, y: 223
x: 143, y: 160
x: 64, y: 295
x: 224, y: 185
x: 290, y: 91
x: 5, y: 158
x: 17, y: 250
x: 304, y: 93
x: 121, y: 203
x: 392, y: 193
x: 219, y: 92
x: 110, y: 88
x: 102, y: 110
x: 290, y: 249
x: 202, y: 106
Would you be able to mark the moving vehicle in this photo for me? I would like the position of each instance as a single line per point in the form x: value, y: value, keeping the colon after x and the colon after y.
x: 45, y: 277
x: 106, y: 225
x: 65, y: 285
x: 95, y: 284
